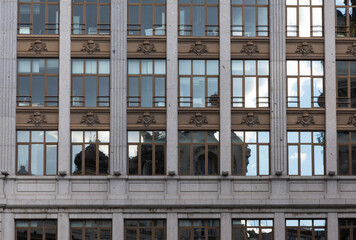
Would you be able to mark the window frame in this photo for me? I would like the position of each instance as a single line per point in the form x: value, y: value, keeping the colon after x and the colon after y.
x: 138, y: 227
x: 29, y: 227
x: 299, y: 227
x: 206, y: 227
x: 344, y: 31
x: 348, y: 77
x: 349, y: 145
x: 84, y: 227
x: 259, y: 227
x: 351, y: 227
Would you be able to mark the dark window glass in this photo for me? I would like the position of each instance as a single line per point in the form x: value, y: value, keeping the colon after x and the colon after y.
x: 36, y: 229
x: 90, y: 229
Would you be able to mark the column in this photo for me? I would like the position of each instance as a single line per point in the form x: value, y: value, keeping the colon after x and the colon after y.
x: 333, y: 226
x: 279, y: 226
x: 172, y: 226
x: 172, y: 85
x: 118, y: 132
x: 8, y: 226
x: 63, y: 226
x: 226, y: 226
x: 278, y: 113
x: 225, y: 86
x: 8, y: 47
x: 118, y: 229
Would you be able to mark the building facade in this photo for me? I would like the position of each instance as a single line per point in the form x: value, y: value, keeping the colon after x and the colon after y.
x: 177, y: 119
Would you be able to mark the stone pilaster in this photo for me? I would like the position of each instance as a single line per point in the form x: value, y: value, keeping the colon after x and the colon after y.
x: 8, y: 226
x: 226, y: 226
x: 332, y: 226
x: 63, y: 226
x: 172, y: 226
x: 118, y: 230
x: 279, y: 226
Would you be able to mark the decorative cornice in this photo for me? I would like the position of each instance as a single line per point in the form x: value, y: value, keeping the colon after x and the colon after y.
x: 90, y: 119
x: 250, y: 48
x: 305, y: 120
x: 352, y: 120
x: 199, y: 119
x: 37, y: 119
x: 90, y: 47
x: 250, y: 120
x: 352, y: 49
x: 38, y: 47
x: 146, y: 119
x: 198, y: 48
x: 146, y: 47
x: 305, y: 49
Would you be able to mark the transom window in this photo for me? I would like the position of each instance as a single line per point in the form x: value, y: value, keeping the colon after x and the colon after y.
x: 346, y: 142
x: 90, y: 152
x: 147, y: 17
x: 90, y: 82
x: 306, y: 153
x: 252, y: 229
x: 300, y: 229
x: 345, y: 18
x: 37, y: 152
x: 304, y: 18
x: 90, y: 229
x: 91, y: 17
x: 199, y: 229
x: 199, y: 152
x: 250, y: 83
x: 305, y: 82
x: 146, y: 83
x: 346, y: 83
x: 36, y: 229
x: 347, y: 228
x: 37, y: 82
x: 249, y: 18
x: 145, y: 229
x: 198, y: 83
x: 198, y: 17
x: 146, y: 152
x: 38, y: 17
x: 250, y: 153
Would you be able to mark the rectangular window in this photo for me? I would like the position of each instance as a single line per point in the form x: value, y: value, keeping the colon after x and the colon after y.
x: 145, y: 229
x: 198, y: 18
x: 37, y: 152
x: 91, y: 17
x: 90, y: 152
x: 347, y: 228
x: 250, y: 153
x: 146, y: 83
x: 300, y: 229
x: 250, y: 83
x: 146, y: 18
x: 37, y: 82
x: 199, y: 152
x: 36, y: 229
x: 199, y: 83
x: 249, y: 19
x: 146, y: 152
x: 304, y: 18
x: 305, y: 84
x: 346, y: 143
x: 252, y: 229
x: 346, y: 83
x: 90, y: 229
x: 345, y: 18
x: 90, y: 82
x: 38, y: 17
x: 199, y: 229
x: 306, y: 153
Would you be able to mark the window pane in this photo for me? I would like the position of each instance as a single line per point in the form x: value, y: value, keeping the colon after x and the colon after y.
x: 250, y: 92
x: 90, y: 66
x: 147, y: 20
x: 237, y: 21
x: 305, y: 160
x: 133, y: 159
x: 51, y: 159
x: 22, y: 159
x: 77, y: 66
x: 250, y: 21
x: 238, y: 159
x: 212, y: 67
x: 293, y: 160
x: 91, y: 19
x: 318, y: 160
x: 184, y: 159
x: 237, y: 67
x: 134, y: 67
x: 38, y: 91
x: 146, y: 67
x: 146, y: 92
x: 104, y: 66
x: 103, y: 159
x: 250, y: 67
x: 343, y: 160
x: 160, y: 67
x: 39, y: 18
x: 305, y: 93
x: 185, y: 67
x: 198, y: 92
x: 263, y: 160
x: 198, y: 67
x: 251, y: 160
x: 37, y: 159
x: 304, y: 22
x: 90, y: 91
x: 198, y: 21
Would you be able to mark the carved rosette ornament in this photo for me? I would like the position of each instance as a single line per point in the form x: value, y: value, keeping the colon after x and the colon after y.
x: 250, y: 120
x: 90, y: 119
x: 37, y: 119
x: 352, y: 120
x: 198, y: 48
x: 306, y: 119
x: 146, y: 119
x: 38, y: 46
x: 250, y: 48
x: 199, y: 119
x: 90, y: 47
x: 146, y: 47
x: 352, y: 49
x: 305, y: 49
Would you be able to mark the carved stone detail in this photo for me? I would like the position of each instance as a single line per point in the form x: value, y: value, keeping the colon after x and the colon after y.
x: 146, y: 47
x: 37, y: 119
x: 198, y: 48
x: 352, y: 49
x: 90, y: 119
x: 250, y: 48
x: 199, y: 119
x: 250, y: 120
x: 38, y: 46
x: 90, y: 47
x: 306, y: 119
x: 305, y: 49
x: 352, y: 120
x: 146, y: 119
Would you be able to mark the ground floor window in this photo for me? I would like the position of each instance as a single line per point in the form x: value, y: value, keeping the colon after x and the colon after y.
x: 90, y: 229
x: 145, y: 229
x: 36, y: 229
x: 207, y: 229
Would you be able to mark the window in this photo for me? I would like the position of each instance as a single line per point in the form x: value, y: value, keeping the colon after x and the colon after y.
x: 198, y: 17
x: 346, y: 83
x: 199, y: 152
x: 146, y: 152
x: 37, y: 152
x: 249, y: 19
x: 252, y: 229
x: 199, y: 229
x: 347, y: 229
x: 146, y: 83
x: 345, y: 18
x: 37, y: 82
x: 145, y: 229
x: 90, y: 82
x: 90, y: 152
x: 250, y: 83
x: 147, y: 18
x: 198, y: 83
x: 91, y: 17
x: 300, y: 229
x: 305, y: 84
x: 346, y: 142
x: 250, y: 153
x: 38, y: 17
x: 36, y: 229
x: 90, y: 229
x: 306, y: 153
x: 304, y: 18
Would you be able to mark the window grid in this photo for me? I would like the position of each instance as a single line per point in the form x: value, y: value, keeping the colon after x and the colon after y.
x: 145, y: 229
x: 199, y: 229
x: 345, y: 25
x: 346, y: 146
x: 346, y: 84
x: 254, y: 229
x: 36, y: 229
x: 300, y: 229
x: 347, y: 228
x: 91, y: 229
